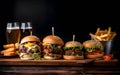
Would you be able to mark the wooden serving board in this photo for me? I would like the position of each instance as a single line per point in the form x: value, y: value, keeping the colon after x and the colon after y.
x: 113, y: 62
x: 62, y: 62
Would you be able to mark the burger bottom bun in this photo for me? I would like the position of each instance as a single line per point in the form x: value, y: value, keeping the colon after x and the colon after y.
x: 58, y: 56
x: 66, y: 57
x: 94, y: 56
x: 26, y: 57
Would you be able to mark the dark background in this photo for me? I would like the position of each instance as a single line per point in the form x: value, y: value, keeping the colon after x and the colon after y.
x: 67, y: 17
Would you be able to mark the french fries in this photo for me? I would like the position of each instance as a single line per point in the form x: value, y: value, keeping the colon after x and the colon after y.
x: 10, y: 49
x: 103, y: 35
x: 9, y: 54
x: 8, y: 46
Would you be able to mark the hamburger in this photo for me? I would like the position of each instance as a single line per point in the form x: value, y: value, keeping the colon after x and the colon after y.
x: 93, y: 49
x: 52, y: 47
x: 30, y: 48
x: 73, y: 50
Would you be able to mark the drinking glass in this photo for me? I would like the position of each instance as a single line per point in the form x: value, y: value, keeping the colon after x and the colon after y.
x: 26, y: 29
x: 13, y: 32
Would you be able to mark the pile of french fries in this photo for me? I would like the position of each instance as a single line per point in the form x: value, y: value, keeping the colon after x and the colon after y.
x: 10, y: 49
x: 103, y: 35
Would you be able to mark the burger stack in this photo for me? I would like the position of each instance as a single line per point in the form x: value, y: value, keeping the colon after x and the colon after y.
x: 30, y: 48
x: 93, y: 49
x: 52, y: 47
x: 73, y: 50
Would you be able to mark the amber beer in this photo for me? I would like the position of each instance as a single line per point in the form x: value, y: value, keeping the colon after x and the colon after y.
x: 13, y: 33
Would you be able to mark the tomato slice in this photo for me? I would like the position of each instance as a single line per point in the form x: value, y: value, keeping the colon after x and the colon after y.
x: 97, y: 51
x: 93, y: 52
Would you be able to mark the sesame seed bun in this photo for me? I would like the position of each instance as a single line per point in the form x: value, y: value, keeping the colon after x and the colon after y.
x: 91, y: 43
x: 73, y: 44
x: 58, y: 56
x: 67, y: 57
x: 30, y: 38
x: 52, y: 39
x: 94, y: 56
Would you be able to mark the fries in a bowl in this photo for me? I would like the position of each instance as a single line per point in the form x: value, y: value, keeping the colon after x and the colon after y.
x: 103, y: 35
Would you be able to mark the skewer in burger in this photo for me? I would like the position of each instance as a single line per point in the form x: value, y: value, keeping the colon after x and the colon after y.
x: 52, y: 47
x: 30, y: 48
x: 93, y: 49
x: 73, y: 50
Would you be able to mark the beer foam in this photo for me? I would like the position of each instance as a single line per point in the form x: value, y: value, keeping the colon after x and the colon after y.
x: 13, y: 28
x: 28, y: 28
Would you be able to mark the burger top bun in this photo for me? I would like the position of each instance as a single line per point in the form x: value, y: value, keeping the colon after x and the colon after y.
x: 91, y: 43
x: 52, y: 39
x: 30, y: 38
x: 73, y: 44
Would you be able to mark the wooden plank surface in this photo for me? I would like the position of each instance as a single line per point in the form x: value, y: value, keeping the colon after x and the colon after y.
x: 61, y: 62
x: 18, y: 61
x: 113, y: 62
x: 18, y: 66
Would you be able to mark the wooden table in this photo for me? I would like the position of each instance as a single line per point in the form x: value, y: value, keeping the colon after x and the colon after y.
x: 15, y: 66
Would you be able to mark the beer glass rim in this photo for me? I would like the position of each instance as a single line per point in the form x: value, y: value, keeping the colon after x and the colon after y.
x: 12, y: 26
x: 26, y: 25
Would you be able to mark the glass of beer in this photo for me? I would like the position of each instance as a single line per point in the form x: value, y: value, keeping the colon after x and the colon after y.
x: 13, y: 32
x: 26, y: 29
